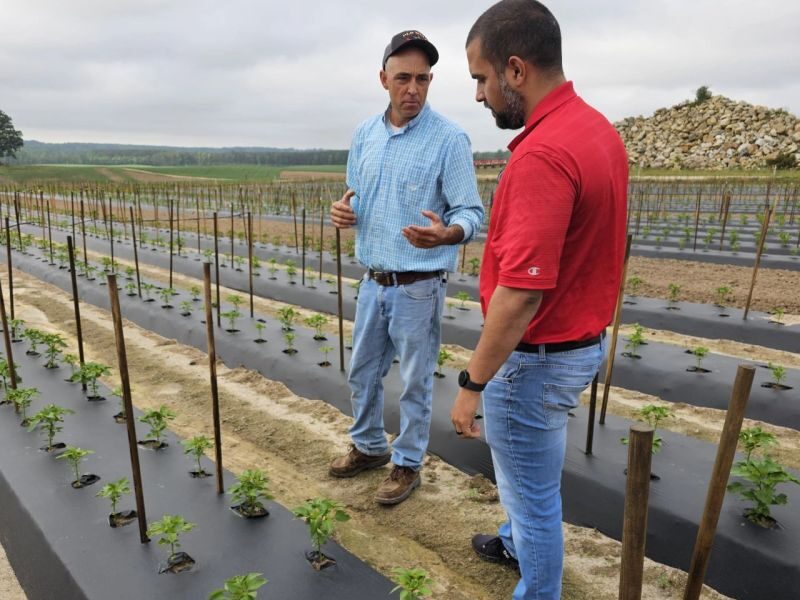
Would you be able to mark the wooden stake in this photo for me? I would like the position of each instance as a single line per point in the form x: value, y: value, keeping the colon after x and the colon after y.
x: 719, y: 481
x: 76, y: 303
x: 294, y: 216
x: 169, y: 211
x: 339, y: 299
x: 321, y: 236
x: 111, y: 231
x: 10, y: 270
x: 697, y: 219
x: 130, y: 423
x: 634, y: 527
x: 615, y: 332
x: 303, y: 259
x: 12, y: 370
x: 726, y: 203
x: 83, y: 235
x: 216, y: 268
x: 592, y: 411
x: 212, y: 366
x: 135, y: 255
x: 762, y: 241
x: 250, y: 259
x: 50, y: 234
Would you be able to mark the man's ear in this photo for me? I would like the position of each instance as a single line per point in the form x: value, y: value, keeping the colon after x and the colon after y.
x: 516, y: 71
x: 384, y: 76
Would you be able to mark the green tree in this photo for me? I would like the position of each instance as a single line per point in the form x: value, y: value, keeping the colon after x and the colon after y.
x: 10, y: 138
x: 702, y: 94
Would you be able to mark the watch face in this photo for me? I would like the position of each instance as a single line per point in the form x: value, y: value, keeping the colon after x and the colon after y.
x: 463, y: 378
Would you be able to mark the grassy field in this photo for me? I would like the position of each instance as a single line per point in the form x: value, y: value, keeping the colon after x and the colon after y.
x: 68, y: 173
x: 74, y: 173
x: 29, y: 174
x: 232, y: 172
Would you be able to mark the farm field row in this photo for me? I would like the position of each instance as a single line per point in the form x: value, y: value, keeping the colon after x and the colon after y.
x: 266, y: 426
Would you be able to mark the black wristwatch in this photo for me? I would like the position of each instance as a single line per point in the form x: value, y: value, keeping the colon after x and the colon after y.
x: 465, y: 382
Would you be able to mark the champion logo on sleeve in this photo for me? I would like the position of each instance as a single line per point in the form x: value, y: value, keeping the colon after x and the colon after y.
x: 534, y: 271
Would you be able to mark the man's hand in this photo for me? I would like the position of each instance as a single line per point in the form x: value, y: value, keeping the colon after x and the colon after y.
x: 463, y: 413
x: 342, y: 216
x: 436, y: 234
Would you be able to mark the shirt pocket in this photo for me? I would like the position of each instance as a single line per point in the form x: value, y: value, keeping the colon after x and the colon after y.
x: 416, y: 185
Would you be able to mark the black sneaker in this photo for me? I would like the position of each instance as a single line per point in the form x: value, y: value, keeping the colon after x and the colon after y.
x: 491, y: 549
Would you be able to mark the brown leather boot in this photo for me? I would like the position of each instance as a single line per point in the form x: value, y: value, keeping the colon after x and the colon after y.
x: 355, y: 461
x: 398, y: 485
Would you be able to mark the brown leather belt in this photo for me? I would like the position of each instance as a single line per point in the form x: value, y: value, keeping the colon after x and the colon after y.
x: 390, y: 278
x: 559, y: 346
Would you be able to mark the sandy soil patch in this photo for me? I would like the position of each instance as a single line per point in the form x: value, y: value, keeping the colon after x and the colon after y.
x: 266, y: 426
x: 10, y: 588
x: 115, y: 177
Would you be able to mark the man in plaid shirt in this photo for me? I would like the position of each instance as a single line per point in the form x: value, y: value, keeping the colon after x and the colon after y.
x: 412, y: 198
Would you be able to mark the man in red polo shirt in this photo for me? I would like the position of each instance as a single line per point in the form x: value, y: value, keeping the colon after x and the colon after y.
x: 549, y: 280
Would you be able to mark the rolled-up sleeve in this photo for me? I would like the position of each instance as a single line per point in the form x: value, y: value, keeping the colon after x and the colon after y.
x: 460, y: 188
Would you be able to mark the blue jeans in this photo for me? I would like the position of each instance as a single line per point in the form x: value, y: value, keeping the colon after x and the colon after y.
x: 525, y: 411
x: 403, y: 320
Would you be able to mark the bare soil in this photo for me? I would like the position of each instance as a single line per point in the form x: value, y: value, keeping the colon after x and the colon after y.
x: 311, y: 175
x: 10, y: 588
x: 293, y: 439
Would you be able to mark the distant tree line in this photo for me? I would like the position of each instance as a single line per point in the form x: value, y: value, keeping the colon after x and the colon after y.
x: 122, y: 154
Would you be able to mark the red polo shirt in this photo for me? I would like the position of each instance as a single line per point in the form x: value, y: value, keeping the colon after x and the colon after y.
x: 558, y: 219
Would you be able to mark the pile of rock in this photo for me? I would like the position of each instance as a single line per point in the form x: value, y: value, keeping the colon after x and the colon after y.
x: 719, y: 133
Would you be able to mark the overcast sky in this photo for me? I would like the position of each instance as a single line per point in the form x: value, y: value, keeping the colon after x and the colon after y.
x: 296, y: 73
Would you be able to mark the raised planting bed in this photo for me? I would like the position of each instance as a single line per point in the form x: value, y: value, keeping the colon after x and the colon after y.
x: 60, y: 544
x: 748, y: 562
x: 661, y: 372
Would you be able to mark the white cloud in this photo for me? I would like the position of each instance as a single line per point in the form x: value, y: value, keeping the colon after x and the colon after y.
x: 303, y: 73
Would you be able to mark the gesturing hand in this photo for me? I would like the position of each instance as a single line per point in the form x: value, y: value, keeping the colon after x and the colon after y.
x: 434, y: 235
x: 342, y: 215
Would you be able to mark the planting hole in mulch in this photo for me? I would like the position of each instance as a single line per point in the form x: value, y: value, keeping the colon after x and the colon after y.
x: 694, y: 369
x: 763, y: 522
x: 153, y: 444
x: 261, y: 320
x: 96, y: 398
x: 776, y: 386
x: 53, y: 448
x: 449, y: 317
x: 723, y: 315
x: 289, y: 351
x: 260, y: 341
x: 177, y: 563
x: 52, y: 366
x: 120, y: 417
x: 233, y: 330
x: 85, y: 481
x: 24, y: 422
x: 186, y: 314
x: 150, y: 300
x: 199, y: 474
x: 167, y: 306
x: 324, y: 363
x: 438, y: 375
x: 320, y: 338
x: 319, y: 561
x: 629, y: 302
x: 464, y: 308
x: 245, y: 513
x: 770, y: 321
x: 630, y: 355
x: 671, y: 308
x: 32, y: 353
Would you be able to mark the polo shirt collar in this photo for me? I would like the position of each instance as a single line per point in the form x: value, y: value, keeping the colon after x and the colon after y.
x: 412, y: 123
x: 560, y: 95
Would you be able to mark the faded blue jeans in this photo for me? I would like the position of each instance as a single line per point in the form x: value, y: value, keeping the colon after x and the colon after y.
x: 525, y: 411
x: 403, y: 320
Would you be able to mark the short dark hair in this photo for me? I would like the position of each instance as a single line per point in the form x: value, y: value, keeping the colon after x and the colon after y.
x: 524, y: 28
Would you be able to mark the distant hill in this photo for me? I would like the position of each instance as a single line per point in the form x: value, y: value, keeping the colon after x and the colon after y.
x: 718, y: 133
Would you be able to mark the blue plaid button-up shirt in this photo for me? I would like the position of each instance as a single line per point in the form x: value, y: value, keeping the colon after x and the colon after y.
x: 396, y: 175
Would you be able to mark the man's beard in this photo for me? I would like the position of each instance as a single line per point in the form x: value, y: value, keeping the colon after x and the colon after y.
x: 513, y: 116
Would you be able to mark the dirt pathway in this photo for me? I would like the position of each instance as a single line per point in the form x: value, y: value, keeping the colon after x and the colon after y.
x: 10, y: 588
x: 266, y: 426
